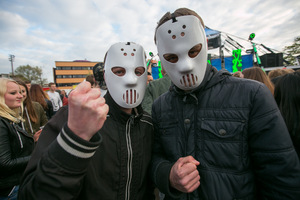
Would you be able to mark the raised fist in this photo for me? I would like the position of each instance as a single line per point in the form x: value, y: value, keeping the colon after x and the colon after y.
x: 87, y: 111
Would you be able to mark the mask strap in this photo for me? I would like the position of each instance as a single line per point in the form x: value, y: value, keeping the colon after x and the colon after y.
x: 173, y: 18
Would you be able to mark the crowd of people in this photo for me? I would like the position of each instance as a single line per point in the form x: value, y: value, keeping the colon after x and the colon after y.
x: 196, y: 133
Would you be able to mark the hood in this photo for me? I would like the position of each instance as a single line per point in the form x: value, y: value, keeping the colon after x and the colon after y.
x: 211, y: 78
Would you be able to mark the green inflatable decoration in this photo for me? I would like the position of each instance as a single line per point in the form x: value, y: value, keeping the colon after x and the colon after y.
x: 237, y: 60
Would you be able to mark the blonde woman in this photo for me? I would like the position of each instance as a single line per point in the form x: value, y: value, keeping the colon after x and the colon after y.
x: 33, y: 113
x: 16, y: 145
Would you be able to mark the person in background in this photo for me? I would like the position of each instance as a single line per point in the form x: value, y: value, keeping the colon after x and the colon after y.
x: 16, y: 145
x: 155, y: 89
x: 289, y: 70
x: 256, y: 73
x: 238, y: 74
x: 90, y: 78
x: 149, y: 77
x: 28, y: 84
x: 33, y: 114
x: 98, y: 71
x: 86, y: 152
x: 287, y: 96
x: 215, y: 136
x: 37, y: 94
x: 54, y: 97
x: 64, y: 97
x: 275, y: 74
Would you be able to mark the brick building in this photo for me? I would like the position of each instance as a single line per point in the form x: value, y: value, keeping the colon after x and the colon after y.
x: 68, y: 74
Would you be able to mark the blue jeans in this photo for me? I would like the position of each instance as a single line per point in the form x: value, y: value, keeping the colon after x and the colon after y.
x: 13, y: 195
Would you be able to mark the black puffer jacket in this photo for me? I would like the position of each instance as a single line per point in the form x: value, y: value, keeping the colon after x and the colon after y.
x: 233, y: 127
x: 113, y: 165
x: 16, y: 147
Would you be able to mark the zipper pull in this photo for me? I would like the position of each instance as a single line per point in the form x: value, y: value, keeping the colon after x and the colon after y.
x: 131, y: 119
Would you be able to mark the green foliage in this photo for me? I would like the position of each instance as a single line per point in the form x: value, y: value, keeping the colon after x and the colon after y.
x: 34, y: 74
x: 292, y: 51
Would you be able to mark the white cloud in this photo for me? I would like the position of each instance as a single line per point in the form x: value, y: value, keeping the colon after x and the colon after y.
x: 39, y: 33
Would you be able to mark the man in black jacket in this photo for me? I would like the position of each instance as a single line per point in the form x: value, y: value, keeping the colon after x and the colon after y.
x: 75, y: 160
x: 225, y: 130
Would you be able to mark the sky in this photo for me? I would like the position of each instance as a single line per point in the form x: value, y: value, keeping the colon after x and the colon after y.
x: 38, y: 33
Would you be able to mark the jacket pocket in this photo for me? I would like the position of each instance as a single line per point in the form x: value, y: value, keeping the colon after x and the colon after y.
x: 223, y: 142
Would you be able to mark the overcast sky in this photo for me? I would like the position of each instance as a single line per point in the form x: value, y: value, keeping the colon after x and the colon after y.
x: 40, y: 32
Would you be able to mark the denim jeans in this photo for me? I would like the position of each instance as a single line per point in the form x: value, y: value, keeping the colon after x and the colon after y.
x: 13, y: 195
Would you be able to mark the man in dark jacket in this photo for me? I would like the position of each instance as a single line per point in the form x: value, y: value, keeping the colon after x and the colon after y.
x: 73, y: 161
x: 225, y: 130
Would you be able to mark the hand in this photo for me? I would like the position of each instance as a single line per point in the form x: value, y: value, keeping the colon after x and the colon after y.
x: 87, y: 111
x: 36, y: 136
x: 184, y: 175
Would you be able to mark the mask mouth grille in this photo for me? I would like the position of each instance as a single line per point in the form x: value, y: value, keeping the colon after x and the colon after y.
x: 189, y: 80
x: 130, y: 96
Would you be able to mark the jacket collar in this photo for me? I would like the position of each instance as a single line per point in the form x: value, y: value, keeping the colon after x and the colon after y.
x: 211, y: 78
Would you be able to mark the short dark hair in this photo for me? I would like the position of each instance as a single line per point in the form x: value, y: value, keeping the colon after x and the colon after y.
x: 51, y: 84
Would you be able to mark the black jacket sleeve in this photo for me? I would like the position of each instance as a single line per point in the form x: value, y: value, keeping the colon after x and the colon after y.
x: 9, y: 165
x: 59, y: 162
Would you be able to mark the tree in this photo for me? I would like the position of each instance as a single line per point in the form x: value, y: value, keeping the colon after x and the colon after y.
x: 34, y: 74
x: 292, y: 51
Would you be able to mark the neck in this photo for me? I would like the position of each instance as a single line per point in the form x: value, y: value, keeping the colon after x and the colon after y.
x: 127, y: 110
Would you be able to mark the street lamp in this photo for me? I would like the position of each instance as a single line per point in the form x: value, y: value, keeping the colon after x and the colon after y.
x: 12, y: 59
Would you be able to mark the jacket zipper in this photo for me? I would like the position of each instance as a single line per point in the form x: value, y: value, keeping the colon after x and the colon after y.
x: 21, y: 142
x: 129, y: 161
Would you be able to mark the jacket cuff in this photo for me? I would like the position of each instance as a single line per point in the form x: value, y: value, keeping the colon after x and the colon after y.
x: 72, y: 151
x: 163, y: 182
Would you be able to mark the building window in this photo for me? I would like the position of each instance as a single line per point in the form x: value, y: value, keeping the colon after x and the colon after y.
x: 79, y: 76
x: 67, y: 76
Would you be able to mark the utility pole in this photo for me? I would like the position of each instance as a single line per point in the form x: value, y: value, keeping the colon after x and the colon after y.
x: 12, y: 59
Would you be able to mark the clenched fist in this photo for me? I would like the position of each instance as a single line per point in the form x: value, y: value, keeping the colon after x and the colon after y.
x: 87, y: 111
x: 184, y: 175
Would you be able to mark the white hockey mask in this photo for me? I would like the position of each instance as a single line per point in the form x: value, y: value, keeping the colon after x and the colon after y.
x: 177, y: 37
x: 126, y: 86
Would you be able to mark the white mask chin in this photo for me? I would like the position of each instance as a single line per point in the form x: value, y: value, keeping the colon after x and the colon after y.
x: 178, y: 37
x: 127, y: 90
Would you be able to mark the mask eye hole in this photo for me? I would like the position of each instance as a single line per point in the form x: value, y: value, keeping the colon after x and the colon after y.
x: 139, y: 71
x: 172, y: 58
x: 193, y: 52
x: 119, y: 71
